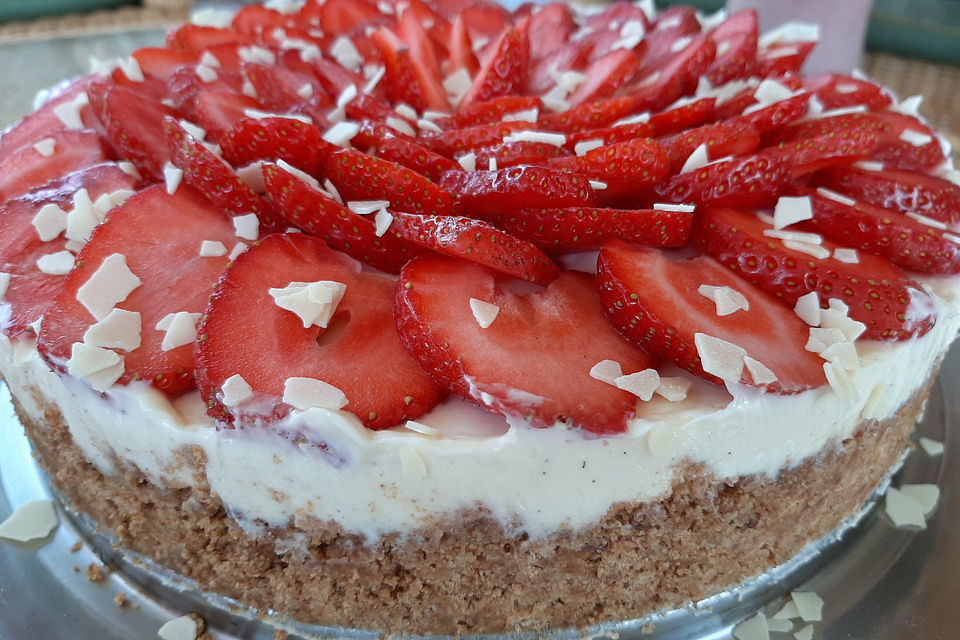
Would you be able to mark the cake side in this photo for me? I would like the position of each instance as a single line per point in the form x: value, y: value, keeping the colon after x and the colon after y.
x: 464, y: 573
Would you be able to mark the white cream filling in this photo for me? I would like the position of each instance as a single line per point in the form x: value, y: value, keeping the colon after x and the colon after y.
x: 537, y: 480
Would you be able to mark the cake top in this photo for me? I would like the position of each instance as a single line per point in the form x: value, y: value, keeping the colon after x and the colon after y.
x: 554, y: 213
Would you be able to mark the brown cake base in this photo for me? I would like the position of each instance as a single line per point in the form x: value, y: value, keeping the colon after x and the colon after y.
x: 465, y: 575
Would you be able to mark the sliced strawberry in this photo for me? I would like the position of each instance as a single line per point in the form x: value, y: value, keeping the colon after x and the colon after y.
x: 807, y: 155
x: 655, y: 302
x: 478, y: 242
x: 362, y: 177
x: 461, y: 54
x: 195, y: 38
x: 783, y: 58
x: 722, y: 139
x: 610, y: 135
x: 606, y: 75
x: 659, y: 124
x: 217, y: 112
x: 359, y: 352
x: 617, y: 13
x: 775, y: 115
x: 44, y: 121
x: 485, y: 19
x: 879, y: 294
x: 550, y: 27
x: 488, y: 194
x: 504, y: 71
x: 589, y: 116
x: 585, y: 228
x: 490, y: 112
x: 162, y: 63
x: 900, y: 239
x: 533, y: 361
x: 256, y: 19
x: 904, y: 191
x: 735, y: 105
x: 404, y: 80
x: 306, y: 208
x: 334, y: 77
x: 826, y: 126
x: 287, y: 139
x: 571, y: 56
x: 31, y: 291
x: 677, y: 75
x: 625, y: 167
x: 426, y: 65
x: 436, y: 26
x: 751, y: 183
x: 280, y: 89
x: 836, y: 91
x: 511, y: 154
x: 27, y: 169
x: 215, y: 179
x: 417, y: 157
x: 456, y: 141
x: 340, y: 16
x: 160, y: 237
x: 736, y: 42
x: 134, y: 125
x: 898, y: 148
x: 373, y: 134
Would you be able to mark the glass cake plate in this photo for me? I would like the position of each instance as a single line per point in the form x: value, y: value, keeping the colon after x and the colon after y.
x: 878, y: 582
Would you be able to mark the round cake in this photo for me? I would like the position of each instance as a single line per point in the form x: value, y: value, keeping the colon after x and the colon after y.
x: 427, y: 316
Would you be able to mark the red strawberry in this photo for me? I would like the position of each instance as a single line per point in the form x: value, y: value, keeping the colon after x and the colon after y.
x: 736, y: 42
x: 722, y: 139
x: 879, y: 294
x: 775, y: 115
x: 26, y: 169
x: 900, y: 150
x: 585, y: 228
x: 504, y: 71
x: 511, y: 154
x: 617, y: 13
x: 490, y: 112
x: 461, y: 49
x: 485, y: 20
x: 659, y: 124
x: 336, y: 78
x: 340, y: 16
x: 673, y: 26
x: 280, y: 89
x: 405, y: 80
x: 625, y: 167
x: 571, y: 56
x: 287, y: 139
x: 807, y: 155
x: 426, y: 65
x: 215, y: 179
x: 783, y: 58
x: 826, y: 126
x: 735, y: 105
x: 362, y: 177
x: 195, y: 38
x: 478, y: 242
x: 162, y: 63
x: 44, y: 121
x: 30, y: 291
x: 901, y: 240
x: 904, y: 191
x: 589, y: 116
x: 456, y: 141
x: 655, y: 302
x: 366, y: 361
x: 752, y: 182
x: 488, y: 194
x: 415, y: 156
x: 550, y: 28
x: 218, y: 111
x: 306, y: 208
x: 533, y: 361
x: 677, y: 75
x: 160, y: 236
x: 837, y: 91
x: 256, y: 19
x: 606, y: 75
x: 134, y: 125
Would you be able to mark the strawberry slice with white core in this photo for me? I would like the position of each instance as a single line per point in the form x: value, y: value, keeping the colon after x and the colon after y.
x: 880, y: 295
x: 533, y: 361
x: 359, y: 352
x: 32, y: 167
x: 158, y: 236
x: 30, y: 291
x: 657, y: 302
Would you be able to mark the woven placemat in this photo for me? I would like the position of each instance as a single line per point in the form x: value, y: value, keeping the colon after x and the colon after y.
x: 153, y: 14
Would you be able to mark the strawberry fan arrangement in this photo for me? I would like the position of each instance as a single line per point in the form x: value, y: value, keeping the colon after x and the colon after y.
x: 369, y: 206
